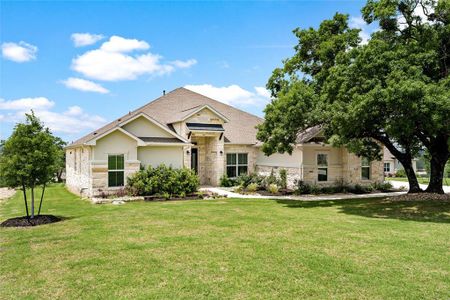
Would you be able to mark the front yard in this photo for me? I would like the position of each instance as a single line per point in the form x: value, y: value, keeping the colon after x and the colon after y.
x: 232, y: 248
x: 421, y: 180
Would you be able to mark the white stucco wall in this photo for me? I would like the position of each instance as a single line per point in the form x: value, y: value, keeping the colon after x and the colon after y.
x: 280, y: 160
x: 156, y: 155
x: 143, y: 127
x: 115, y: 143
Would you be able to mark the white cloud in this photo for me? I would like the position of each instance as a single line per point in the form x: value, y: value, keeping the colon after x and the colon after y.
x: 72, y: 121
x: 232, y: 94
x: 366, y: 30
x: 184, y: 64
x: 111, y: 63
x: 84, y: 85
x: 120, y: 44
x: 21, y: 52
x: 85, y: 39
x: 26, y: 104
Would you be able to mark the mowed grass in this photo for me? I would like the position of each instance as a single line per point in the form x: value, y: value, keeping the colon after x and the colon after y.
x: 228, y: 249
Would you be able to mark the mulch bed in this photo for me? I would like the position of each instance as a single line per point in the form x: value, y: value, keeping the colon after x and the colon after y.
x: 421, y: 197
x: 24, y: 221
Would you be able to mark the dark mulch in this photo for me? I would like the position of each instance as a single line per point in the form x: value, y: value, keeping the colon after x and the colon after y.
x: 421, y: 197
x: 24, y: 221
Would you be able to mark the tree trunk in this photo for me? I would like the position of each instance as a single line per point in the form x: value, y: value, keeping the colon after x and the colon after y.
x: 25, y: 198
x: 42, y: 197
x: 414, y: 186
x: 32, y: 202
x: 437, y: 164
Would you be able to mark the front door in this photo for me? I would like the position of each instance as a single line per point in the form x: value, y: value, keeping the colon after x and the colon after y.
x: 194, y: 159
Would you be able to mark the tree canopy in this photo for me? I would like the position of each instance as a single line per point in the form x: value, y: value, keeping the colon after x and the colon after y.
x: 29, y: 157
x: 393, y: 91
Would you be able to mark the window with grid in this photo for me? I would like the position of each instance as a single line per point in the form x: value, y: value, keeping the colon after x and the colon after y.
x: 237, y: 164
x: 115, y: 170
x: 322, y: 167
x: 365, y: 168
x: 387, y: 167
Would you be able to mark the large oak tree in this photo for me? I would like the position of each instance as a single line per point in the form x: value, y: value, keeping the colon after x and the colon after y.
x: 392, y: 91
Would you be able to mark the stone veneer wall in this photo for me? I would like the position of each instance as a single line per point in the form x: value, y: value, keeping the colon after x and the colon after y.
x: 293, y: 174
x: 99, y: 170
x: 351, y: 169
x: 78, y: 179
x: 210, y: 160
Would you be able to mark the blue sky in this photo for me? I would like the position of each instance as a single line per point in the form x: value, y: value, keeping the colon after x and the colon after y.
x: 82, y: 64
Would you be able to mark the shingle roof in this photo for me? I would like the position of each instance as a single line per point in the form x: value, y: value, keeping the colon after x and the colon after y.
x: 239, y: 130
x: 308, y: 134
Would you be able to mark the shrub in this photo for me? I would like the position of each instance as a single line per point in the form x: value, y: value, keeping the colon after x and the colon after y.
x: 225, y: 181
x: 400, y: 173
x: 252, y: 187
x: 302, y: 188
x: 382, y: 186
x: 315, y: 189
x: 245, y: 180
x: 271, y: 179
x: 360, y: 189
x: 272, y: 188
x: 162, y: 180
x: 283, y: 178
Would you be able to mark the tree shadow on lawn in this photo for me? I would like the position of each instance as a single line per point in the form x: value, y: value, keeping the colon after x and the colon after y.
x: 420, y: 211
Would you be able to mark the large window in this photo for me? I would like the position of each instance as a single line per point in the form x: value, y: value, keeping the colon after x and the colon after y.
x: 387, y: 167
x: 322, y: 167
x: 115, y: 170
x: 365, y: 168
x: 237, y: 164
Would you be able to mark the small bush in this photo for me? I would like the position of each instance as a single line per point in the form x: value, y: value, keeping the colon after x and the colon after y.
x: 315, y: 189
x: 382, y: 186
x: 302, y: 188
x: 252, y: 187
x: 400, y: 173
x: 162, y: 180
x: 272, y: 188
x: 225, y: 181
x: 283, y: 178
x: 360, y: 189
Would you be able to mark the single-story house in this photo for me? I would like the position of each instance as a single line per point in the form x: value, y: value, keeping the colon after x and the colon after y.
x: 391, y: 164
x: 185, y: 129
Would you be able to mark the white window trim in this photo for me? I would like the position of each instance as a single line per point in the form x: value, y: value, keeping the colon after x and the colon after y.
x: 322, y: 167
x: 384, y: 167
x: 237, y: 165
x: 116, y: 170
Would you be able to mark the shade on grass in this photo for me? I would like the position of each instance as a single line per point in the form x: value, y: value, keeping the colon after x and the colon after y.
x: 233, y: 248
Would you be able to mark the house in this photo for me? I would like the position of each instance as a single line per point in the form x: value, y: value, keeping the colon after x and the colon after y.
x: 185, y: 129
x: 392, y: 165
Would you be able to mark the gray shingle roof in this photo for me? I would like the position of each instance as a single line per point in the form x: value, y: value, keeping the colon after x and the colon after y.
x: 239, y: 130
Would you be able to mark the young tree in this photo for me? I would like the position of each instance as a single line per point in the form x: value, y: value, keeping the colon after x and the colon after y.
x: 61, y: 158
x: 392, y: 91
x: 29, y: 158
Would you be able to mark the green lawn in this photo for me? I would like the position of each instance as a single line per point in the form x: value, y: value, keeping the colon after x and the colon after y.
x: 422, y: 180
x: 222, y: 249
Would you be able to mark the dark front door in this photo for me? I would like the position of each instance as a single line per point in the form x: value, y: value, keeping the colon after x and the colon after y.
x: 194, y: 159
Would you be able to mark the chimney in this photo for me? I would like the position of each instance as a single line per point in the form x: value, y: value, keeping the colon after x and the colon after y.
x: 164, y: 92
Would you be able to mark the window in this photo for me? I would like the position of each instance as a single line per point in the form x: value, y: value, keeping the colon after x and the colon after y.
x: 115, y: 170
x: 322, y: 167
x: 387, y: 167
x: 237, y: 164
x: 365, y: 168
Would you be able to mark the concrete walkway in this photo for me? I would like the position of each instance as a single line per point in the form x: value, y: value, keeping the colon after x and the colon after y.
x: 229, y: 194
x: 399, y: 184
x: 6, y: 193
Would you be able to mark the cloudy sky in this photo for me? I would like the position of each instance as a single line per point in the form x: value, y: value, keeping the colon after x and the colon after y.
x: 80, y: 65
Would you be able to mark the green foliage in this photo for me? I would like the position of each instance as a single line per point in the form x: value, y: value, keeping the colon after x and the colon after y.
x: 394, y: 90
x: 283, y: 178
x: 360, y: 189
x: 225, y: 181
x: 400, y: 173
x: 272, y: 188
x: 252, y: 187
x: 164, y: 181
x: 29, y: 157
x: 382, y: 186
x: 271, y: 179
x: 60, y: 158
